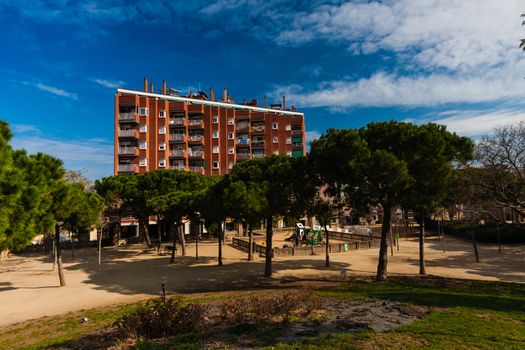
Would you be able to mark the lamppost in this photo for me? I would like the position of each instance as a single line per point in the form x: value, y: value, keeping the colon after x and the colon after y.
x: 198, y: 216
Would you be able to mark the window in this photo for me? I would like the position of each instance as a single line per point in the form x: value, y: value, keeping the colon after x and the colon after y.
x: 230, y: 166
x: 231, y: 136
x: 162, y: 146
x: 162, y: 114
x: 230, y: 121
x: 275, y: 139
x: 143, y: 111
x: 275, y: 125
x: 288, y: 127
x: 215, y: 149
x: 215, y: 134
x: 143, y: 145
x: 215, y: 165
x: 215, y: 119
x: 162, y: 163
x: 143, y: 128
x: 231, y: 150
x: 143, y: 162
x: 288, y: 140
x: 162, y: 130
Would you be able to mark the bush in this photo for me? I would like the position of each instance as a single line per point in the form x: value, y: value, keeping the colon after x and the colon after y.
x: 162, y: 317
x: 270, y: 308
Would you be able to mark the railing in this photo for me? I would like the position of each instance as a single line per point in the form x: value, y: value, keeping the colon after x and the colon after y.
x: 258, y: 155
x: 177, y: 137
x: 127, y: 133
x: 243, y: 126
x: 297, y: 144
x: 257, y: 128
x: 127, y: 168
x: 195, y: 137
x: 127, y: 150
x: 196, y: 169
x: 177, y: 153
x: 176, y: 121
x: 195, y: 122
x: 243, y: 155
x: 258, y: 142
x: 197, y: 153
x: 127, y: 116
x: 297, y: 133
x: 243, y: 141
x: 177, y: 167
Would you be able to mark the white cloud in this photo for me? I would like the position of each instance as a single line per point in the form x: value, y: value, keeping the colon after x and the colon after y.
x: 24, y: 129
x: 112, y: 84
x: 312, y: 135
x: 93, y: 157
x: 475, y: 123
x: 56, y: 91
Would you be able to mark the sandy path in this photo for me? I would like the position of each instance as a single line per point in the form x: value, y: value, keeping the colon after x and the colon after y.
x: 29, y: 289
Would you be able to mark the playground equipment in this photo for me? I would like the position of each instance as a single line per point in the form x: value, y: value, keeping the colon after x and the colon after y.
x: 315, y: 235
x: 305, y: 235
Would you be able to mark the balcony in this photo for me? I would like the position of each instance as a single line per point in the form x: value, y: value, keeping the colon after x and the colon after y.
x: 243, y: 141
x: 297, y: 133
x: 177, y: 153
x: 177, y: 137
x: 242, y: 114
x: 196, y: 138
x: 195, y: 123
x: 243, y: 126
x: 297, y: 145
x: 128, y: 151
x: 177, y: 167
x: 128, y: 168
x: 195, y: 153
x: 258, y: 155
x: 243, y: 156
x: 197, y: 169
x: 128, y: 117
x: 258, y: 143
x: 128, y: 133
x: 258, y: 128
x: 196, y: 109
x: 177, y: 121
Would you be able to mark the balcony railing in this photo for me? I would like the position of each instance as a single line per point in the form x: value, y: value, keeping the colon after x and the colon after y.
x: 297, y: 133
x: 243, y: 155
x: 127, y: 116
x: 177, y: 167
x: 128, y: 133
x: 127, y: 168
x: 177, y: 153
x: 195, y: 122
x: 128, y: 150
x: 176, y: 121
x: 297, y: 145
x: 243, y: 141
x: 257, y: 128
x: 258, y: 142
x: 196, y: 138
x: 258, y: 155
x: 197, y: 169
x: 195, y: 153
x: 243, y: 126
x: 177, y: 137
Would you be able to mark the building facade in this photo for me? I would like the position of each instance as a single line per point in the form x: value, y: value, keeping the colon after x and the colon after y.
x: 195, y: 133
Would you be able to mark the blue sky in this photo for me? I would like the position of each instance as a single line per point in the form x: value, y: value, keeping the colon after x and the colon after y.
x: 343, y: 64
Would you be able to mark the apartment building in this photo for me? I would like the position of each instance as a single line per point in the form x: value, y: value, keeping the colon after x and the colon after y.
x: 166, y: 130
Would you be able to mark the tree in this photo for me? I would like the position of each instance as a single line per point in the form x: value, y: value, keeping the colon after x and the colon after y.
x: 285, y: 190
x: 429, y: 152
x: 323, y: 209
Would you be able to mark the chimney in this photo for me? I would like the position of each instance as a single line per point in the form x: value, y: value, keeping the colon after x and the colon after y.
x: 151, y: 87
x: 164, y: 87
x: 212, y: 95
x: 145, y: 84
x: 264, y: 101
x: 225, y: 95
x: 284, y: 102
x: 293, y: 108
x: 244, y: 102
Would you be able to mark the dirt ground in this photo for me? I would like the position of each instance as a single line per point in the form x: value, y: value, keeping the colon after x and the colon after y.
x: 29, y: 288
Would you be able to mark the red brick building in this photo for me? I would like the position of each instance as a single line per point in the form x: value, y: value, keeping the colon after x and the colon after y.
x: 168, y: 131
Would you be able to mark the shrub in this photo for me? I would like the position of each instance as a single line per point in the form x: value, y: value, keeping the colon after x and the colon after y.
x: 162, y: 317
x: 270, y: 308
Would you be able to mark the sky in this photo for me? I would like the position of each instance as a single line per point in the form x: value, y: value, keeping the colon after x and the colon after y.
x: 343, y: 63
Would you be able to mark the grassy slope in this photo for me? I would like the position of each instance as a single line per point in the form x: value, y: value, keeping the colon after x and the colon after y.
x: 464, y: 315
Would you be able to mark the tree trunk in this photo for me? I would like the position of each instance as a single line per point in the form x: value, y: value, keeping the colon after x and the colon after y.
x: 182, y: 241
x: 159, y: 235
x: 143, y: 229
x: 197, y: 240
x: 219, y: 237
x: 250, y: 243
x: 499, y: 240
x: 174, y: 248
x: 54, y: 253
x: 383, y: 247
x: 269, y: 237
x: 422, y: 266
x: 327, y: 263
x: 474, y: 244
x: 73, y: 248
x: 59, y: 256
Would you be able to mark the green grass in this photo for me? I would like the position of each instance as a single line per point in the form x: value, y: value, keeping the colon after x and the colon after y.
x: 463, y: 315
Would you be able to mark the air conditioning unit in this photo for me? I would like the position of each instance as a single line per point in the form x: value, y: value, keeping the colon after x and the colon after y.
x: 144, y: 111
x: 162, y: 114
